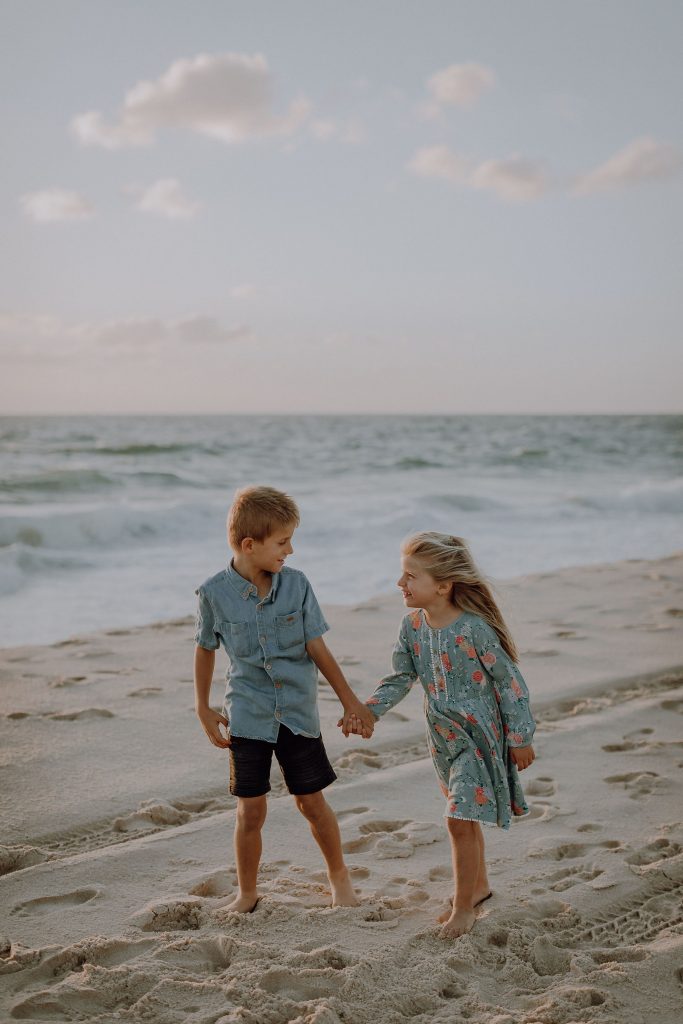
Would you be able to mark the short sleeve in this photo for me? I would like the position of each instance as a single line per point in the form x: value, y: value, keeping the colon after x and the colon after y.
x: 314, y: 620
x: 205, y: 632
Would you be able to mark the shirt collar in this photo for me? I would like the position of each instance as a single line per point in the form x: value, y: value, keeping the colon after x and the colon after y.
x: 246, y: 589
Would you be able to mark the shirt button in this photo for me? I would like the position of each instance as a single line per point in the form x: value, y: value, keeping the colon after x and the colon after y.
x: 277, y: 714
x: 269, y: 665
x: 262, y: 639
x: 278, y: 686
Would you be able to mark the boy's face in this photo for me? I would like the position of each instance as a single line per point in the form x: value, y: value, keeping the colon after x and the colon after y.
x: 269, y: 555
x: 420, y: 590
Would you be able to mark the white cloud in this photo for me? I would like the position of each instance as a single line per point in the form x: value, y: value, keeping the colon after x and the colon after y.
x: 243, y: 291
x: 440, y: 162
x: 350, y: 132
x: 644, y: 159
x: 514, y: 179
x: 53, y: 205
x: 459, y: 85
x: 25, y: 333
x: 165, y: 198
x: 224, y: 96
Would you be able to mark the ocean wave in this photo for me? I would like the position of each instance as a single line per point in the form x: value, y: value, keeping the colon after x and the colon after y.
x: 58, y: 482
x: 19, y: 562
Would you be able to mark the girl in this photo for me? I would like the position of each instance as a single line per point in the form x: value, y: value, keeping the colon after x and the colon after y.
x: 479, y: 721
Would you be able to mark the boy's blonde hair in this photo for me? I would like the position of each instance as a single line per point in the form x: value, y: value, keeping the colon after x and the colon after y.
x: 447, y: 559
x: 257, y: 512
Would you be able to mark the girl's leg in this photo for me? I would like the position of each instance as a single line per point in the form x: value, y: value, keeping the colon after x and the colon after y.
x: 481, y: 886
x: 249, y: 819
x: 325, y: 829
x: 466, y: 852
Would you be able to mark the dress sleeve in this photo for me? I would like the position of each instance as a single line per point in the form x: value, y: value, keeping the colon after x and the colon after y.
x: 205, y: 632
x: 511, y: 691
x: 395, y: 686
x: 314, y: 620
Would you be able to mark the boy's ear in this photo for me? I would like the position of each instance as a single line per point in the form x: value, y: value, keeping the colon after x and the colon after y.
x: 247, y: 545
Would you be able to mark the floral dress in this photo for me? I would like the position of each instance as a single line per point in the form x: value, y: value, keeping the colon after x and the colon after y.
x: 477, y: 707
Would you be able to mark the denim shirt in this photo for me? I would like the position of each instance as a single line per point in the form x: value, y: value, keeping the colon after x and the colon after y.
x: 270, y: 679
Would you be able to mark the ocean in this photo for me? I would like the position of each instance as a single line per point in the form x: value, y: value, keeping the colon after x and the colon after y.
x: 112, y: 521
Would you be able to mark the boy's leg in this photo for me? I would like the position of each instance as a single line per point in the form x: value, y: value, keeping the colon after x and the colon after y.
x: 249, y: 819
x: 325, y: 829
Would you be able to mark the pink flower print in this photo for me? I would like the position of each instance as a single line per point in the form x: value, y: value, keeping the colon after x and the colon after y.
x: 480, y: 796
x: 506, y: 729
x: 489, y: 659
x: 432, y: 751
x: 515, y: 687
x: 372, y: 700
x: 496, y: 733
x: 440, y: 729
x: 442, y: 683
x: 477, y: 676
x: 415, y: 620
x: 451, y: 735
x: 416, y: 649
x: 459, y: 639
x: 453, y: 807
x: 516, y: 738
x: 471, y: 653
x: 478, y: 753
x: 432, y: 689
x: 517, y: 809
x: 446, y: 662
x: 470, y: 718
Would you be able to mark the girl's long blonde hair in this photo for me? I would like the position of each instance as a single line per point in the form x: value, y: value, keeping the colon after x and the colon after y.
x: 448, y: 560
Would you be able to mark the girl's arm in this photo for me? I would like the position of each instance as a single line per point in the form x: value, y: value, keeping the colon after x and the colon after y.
x: 511, y: 691
x: 395, y: 686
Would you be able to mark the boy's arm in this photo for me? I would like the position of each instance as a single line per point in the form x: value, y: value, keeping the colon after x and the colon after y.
x: 320, y: 654
x: 204, y: 661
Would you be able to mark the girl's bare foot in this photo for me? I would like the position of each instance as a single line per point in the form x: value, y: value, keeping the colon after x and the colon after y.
x: 342, y: 890
x: 459, y: 923
x: 243, y: 904
x: 479, y: 896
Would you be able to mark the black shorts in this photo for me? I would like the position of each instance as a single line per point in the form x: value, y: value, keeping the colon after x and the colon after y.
x: 302, y: 759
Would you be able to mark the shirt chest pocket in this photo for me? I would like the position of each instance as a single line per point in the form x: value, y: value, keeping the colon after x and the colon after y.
x: 289, y: 630
x: 236, y: 638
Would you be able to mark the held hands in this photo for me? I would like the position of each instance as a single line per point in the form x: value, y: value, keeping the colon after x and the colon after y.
x: 358, y: 719
x: 522, y: 756
x: 211, y: 720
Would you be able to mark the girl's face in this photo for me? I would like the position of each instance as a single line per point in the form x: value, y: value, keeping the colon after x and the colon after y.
x: 420, y: 590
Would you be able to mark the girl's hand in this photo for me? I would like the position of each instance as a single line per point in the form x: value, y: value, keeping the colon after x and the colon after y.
x: 211, y: 720
x: 522, y: 756
x: 352, y: 723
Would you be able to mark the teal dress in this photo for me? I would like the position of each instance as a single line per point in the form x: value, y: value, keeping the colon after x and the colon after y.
x: 477, y: 707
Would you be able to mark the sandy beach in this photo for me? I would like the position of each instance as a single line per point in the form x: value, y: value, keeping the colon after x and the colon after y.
x: 117, y: 830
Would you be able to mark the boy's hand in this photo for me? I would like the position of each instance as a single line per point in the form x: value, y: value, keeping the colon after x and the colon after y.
x: 358, y: 719
x: 211, y: 720
x: 522, y: 756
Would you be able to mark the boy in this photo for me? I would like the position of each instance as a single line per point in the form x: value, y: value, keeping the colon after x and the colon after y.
x: 269, y: 621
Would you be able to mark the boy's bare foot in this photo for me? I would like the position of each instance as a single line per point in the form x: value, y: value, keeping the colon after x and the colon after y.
x: 480, y: 895
x: 459, y: 923
x: 342, y: 890
x: 243, y: 904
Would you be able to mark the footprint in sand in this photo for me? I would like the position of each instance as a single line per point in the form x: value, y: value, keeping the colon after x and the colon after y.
x: 170, y: 915
x: 49, y: 904
x: 569, y: 850
x: 637, y: 784
x: 350, y: 812
x: 145, y: 691
x: 655, y: 852
x: 672, y: 705
x: 393, y: 838
x: 80, y: 714
x: 565, y: 878
x: 541, y: 786
x: 61, y: 681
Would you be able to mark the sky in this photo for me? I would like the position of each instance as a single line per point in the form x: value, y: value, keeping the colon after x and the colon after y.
x: 309, y: 207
